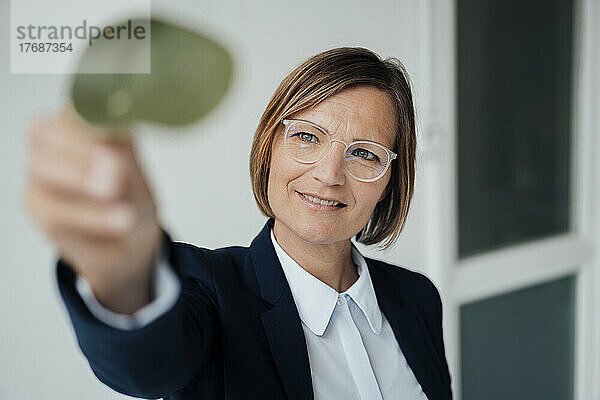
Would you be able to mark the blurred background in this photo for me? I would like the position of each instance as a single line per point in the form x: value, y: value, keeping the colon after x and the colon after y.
x: 506, y: 215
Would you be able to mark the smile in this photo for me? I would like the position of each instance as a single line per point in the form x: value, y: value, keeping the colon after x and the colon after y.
x: 321, y: 202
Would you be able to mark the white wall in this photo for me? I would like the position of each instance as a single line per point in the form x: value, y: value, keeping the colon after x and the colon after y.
x: 39, y: 358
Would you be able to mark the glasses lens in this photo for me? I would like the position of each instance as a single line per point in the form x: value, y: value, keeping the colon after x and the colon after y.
x: 366, y: 160
x: 304, y: 142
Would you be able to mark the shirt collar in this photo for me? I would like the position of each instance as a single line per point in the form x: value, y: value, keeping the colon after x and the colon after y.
x: 316, y: 301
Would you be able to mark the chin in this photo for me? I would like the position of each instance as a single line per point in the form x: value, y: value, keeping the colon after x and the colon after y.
x: 314, y: 230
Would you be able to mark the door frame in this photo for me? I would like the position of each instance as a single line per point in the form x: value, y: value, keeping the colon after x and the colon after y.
x: 501, y: 271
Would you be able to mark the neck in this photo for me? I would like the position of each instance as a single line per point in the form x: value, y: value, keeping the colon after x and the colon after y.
x: 331, y: 263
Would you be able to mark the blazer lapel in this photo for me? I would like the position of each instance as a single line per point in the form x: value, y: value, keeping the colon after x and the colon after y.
x: 284, y: 333
x: 282, y: 323
x: 410, y: 334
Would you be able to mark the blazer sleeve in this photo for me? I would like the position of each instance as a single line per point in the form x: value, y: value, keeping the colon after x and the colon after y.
x: 159, y: 358
x: 166, y: 286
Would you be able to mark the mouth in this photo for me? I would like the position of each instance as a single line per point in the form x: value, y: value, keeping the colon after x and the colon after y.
x: 331, y: 204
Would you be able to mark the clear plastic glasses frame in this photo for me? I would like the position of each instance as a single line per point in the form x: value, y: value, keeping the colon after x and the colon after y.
x: 290, y: 122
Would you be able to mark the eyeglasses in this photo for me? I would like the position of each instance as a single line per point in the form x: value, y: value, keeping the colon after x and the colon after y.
x: 308, y: 143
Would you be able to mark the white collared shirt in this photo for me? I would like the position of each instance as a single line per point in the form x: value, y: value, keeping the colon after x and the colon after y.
x: 352, y: 350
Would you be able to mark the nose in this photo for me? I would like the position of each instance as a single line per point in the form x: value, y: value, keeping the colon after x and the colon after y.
x: 330, y: 170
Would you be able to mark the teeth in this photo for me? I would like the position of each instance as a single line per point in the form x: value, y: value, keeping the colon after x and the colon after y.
x: 319, y: 201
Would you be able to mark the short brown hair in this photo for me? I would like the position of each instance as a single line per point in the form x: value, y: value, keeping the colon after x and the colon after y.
x: 325, y: 75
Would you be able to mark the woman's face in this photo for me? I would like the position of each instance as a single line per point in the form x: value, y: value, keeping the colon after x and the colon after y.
x: 360, y: 113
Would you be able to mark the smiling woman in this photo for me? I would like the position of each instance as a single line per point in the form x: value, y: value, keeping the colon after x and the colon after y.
x: 300, y: 313
x: 386, y: 112
x: 301, y: 224
x: 356, y: 111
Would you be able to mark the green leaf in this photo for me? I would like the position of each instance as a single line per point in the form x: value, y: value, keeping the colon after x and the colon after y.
x: 190, y: 74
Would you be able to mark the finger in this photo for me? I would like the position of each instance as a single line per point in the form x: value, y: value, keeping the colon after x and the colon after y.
x: 70, y: 132
x: 101, y: 175
x: 60, y: 133
x: 77, y: 163
x: 57, y: 215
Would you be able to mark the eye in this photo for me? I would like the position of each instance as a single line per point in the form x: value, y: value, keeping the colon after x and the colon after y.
x: 306, y: 137
x: 365, y: 154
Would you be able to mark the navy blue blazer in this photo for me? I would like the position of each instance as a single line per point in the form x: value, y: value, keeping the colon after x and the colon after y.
x: 235, y: 333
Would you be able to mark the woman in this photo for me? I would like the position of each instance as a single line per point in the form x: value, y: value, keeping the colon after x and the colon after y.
x: 299, y: 314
